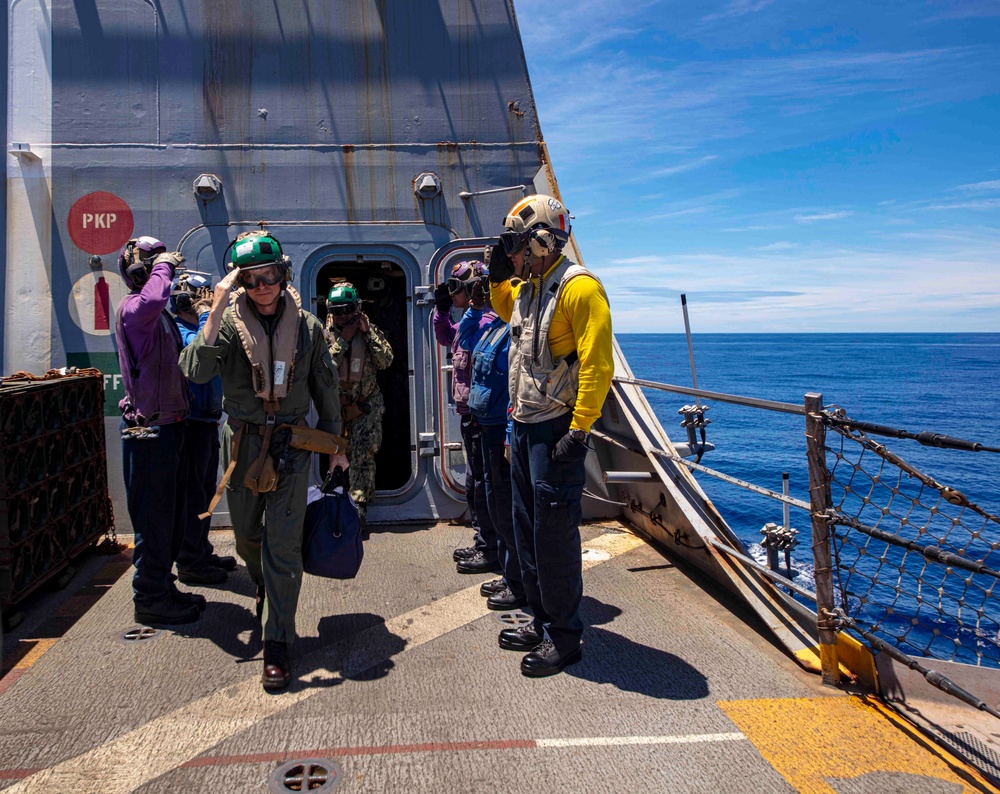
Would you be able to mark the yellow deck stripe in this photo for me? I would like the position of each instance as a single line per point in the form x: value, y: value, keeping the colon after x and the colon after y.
x: 32, y: 656
x: 811, y: 741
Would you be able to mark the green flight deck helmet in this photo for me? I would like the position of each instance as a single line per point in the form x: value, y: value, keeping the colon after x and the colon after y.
x: 257, y: 249
x: 342, y: 299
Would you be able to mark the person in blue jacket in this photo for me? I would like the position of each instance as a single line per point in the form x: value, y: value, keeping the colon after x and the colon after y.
x: 197, y: 562
x: 488, y: 337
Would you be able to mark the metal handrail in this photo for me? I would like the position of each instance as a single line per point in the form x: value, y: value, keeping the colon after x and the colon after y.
x: 830, y: 619
x: 767, y: 572
x: 750, y: 402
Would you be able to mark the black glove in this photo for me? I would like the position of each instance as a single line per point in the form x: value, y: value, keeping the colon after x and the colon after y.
x: 477, y: 297
x: 442, y: 300
x: 501, y: 268
x: 569, y: 449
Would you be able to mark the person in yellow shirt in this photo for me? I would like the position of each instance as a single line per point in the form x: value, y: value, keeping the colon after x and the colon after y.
x: 561, y: 364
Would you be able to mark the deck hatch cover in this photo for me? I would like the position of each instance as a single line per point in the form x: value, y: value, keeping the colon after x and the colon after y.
x: 514, y: 618
x: 139, y: 634
x: 309, y: 774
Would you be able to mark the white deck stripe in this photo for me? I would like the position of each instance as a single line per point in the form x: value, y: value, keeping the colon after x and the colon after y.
x: 602, y: 741
x: 173, y: 739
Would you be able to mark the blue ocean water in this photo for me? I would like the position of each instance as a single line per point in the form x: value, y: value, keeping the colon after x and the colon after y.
x: 946, y: 383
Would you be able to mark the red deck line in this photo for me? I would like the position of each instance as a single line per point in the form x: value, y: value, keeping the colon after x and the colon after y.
x: 18, y: 774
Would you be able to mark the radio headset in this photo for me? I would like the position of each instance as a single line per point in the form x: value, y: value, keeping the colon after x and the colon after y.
x: 184, y: 301
x: 542, y: 242
x: 137, y: 273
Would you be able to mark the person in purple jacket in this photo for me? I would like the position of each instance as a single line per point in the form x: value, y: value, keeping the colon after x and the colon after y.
x: 455, y: 292
x: 153, y: 412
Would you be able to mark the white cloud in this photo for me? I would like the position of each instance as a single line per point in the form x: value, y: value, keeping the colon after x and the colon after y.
x: 620, y: 102
x: 977, y: 187
x: 978, y: 204
x: 659, y: 216
x: 696, y: 205
x: 830, y: 290
x: 681, y: 168
x: 823, y: 216
x: 738, y: 8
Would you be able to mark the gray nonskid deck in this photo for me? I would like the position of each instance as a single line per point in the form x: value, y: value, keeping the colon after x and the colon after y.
x: 442, y: 708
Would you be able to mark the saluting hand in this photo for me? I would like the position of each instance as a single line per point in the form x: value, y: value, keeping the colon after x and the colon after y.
x: 173, y: 258
x: 225, y: 287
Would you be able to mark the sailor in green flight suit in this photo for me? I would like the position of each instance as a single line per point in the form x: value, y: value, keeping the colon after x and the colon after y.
x: 358, y: 350
x: 273, y: 360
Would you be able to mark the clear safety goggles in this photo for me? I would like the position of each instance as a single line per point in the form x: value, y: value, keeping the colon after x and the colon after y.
x: 456, y: 285
x: 270, y: 275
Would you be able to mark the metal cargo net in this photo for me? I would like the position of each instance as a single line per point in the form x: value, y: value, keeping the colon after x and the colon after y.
x: 54, y: 498
x: 916, y: 563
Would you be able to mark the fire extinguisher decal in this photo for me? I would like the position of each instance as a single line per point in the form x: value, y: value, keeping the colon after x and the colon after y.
x: 102, y: 305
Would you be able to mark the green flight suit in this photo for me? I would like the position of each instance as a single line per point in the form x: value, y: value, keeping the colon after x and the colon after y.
x: 268, y: 527
x: 365, y: 431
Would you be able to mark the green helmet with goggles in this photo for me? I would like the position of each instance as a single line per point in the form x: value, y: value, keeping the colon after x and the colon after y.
x: 342, y: 299
x: 254, y: 251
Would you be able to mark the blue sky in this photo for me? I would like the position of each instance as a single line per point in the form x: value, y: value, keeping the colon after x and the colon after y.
x: 790, y: 166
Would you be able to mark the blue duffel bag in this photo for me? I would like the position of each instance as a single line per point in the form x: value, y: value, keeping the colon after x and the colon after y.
x: 331, y: 540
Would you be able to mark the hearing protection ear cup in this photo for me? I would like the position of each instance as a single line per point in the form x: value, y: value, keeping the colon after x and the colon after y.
x: 183, y: 302
x: 541, y: 242
x: 137, y: 274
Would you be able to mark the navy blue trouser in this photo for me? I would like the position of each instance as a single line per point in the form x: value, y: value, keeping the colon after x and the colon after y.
x: 475, y: 488
x: 201, y: 448
x: 155, y: 470
x: 546, y: 497
x: 496, y: 470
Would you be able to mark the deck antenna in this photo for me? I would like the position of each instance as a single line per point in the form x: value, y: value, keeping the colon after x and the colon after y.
x: 687, y: 333
x: 694, y: 420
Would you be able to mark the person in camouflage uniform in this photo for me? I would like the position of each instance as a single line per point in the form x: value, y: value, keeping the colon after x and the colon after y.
x: 358, y: 350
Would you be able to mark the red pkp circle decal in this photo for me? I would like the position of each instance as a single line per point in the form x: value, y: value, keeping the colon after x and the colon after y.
x: 100, y: 223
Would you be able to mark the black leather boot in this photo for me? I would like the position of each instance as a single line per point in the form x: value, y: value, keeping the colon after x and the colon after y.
x: 505, y: 599
x: 277, y: 668
x: 478, y: 563
x: 523, y: 638
x: 486, y: 589
x: 545, y: 660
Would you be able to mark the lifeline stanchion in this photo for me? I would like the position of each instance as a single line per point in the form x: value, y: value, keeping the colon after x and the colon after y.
x: 819, y: 501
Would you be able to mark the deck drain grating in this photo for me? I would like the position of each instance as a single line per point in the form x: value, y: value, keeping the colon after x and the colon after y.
x: 138, y: 635
x: 310, y: 774
x: 514, y: 618
x: 979, y: 753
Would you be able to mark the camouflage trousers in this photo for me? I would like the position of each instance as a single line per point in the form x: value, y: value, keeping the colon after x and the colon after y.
x: 365, y: 435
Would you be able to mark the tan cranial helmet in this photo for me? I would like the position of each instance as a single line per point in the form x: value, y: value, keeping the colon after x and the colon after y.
x: 540, y: 221
x: 538, y: 211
